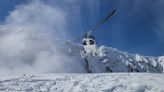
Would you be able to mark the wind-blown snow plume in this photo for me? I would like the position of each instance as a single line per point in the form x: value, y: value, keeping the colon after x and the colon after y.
x: 26, y: 44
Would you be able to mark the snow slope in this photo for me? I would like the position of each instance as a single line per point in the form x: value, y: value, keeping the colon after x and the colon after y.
x: 117, y: 61
x: 111, y: 82
x: 120, y: 61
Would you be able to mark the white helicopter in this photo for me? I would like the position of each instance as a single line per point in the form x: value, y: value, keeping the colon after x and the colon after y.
x: 89, y: 42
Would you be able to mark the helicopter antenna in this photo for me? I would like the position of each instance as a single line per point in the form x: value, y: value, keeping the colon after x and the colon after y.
x: 98, y: 25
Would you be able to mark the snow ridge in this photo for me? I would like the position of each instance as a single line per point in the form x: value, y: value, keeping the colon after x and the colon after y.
x: 123, y: 62
x: 119, y: 61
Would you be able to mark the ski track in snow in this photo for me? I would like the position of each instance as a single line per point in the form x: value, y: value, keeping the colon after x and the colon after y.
x: 102, y: 82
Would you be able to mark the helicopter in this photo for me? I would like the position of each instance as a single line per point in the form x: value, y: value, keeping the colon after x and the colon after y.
x: 89, y: 41
x: 90, y: 46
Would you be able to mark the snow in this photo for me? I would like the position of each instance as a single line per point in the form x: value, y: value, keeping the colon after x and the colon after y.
x: 71, y: 62
x: 71, y: 82
x: 138, y: 58
x: 120, y: 61
x: 161, y: 61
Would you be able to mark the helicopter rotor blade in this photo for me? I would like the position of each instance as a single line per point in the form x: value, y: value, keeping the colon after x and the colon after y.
x: 104, y: 20
x: 98, y: 25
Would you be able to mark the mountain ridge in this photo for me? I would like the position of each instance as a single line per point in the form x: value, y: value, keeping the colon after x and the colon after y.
x: 120, y: 61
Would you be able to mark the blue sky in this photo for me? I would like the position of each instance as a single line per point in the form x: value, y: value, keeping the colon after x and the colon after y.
x: 137, y: 28
x: 7, y: 6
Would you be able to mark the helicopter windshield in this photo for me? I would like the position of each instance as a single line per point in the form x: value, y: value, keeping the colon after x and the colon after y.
x: 84, y: 42
x: 91, y: 42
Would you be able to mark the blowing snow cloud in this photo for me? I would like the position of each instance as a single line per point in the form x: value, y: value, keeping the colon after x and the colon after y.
x: 26, y: 41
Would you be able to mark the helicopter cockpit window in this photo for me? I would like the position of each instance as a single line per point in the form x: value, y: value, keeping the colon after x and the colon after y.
x: 91, y: 42
x: 84, y: 43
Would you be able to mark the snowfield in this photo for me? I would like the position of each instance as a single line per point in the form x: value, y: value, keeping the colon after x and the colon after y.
x: 101, y: 82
